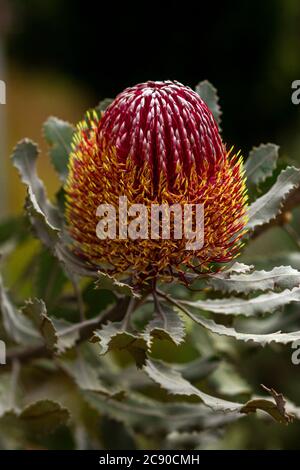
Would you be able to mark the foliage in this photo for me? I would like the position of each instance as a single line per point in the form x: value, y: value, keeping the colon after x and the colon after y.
x: 87, y: 354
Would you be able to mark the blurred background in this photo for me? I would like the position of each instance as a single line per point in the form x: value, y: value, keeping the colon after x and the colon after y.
x: 60, y: 57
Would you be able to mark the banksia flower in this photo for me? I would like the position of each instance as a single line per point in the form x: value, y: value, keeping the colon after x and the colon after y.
x: 157, y: 143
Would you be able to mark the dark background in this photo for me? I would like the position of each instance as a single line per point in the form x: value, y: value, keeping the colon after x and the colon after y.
x: 248, y: 49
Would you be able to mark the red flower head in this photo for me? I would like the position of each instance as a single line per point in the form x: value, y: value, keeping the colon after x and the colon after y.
x: 157, y: 143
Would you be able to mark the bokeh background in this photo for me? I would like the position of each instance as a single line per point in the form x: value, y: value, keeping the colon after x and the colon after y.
x: 60, y: 57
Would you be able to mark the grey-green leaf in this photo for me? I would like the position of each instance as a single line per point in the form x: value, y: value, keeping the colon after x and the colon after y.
x: 103, y: 105
x: 261, y: 339
x: 44, y: 416
x: 247, y: 307
x: 59, y: 135
x: 172, y: 381
x: 84, y: 374
x: 261, y: 163
x: 7, y: 394
x: 59, y: 335
x: 268, y: 206
x: 282, y: 277
x: 105, y: 281
x: 209, y: 94
x: 24, y: 159
x: 17, y: 327
x: 166, y: 324
x: 114, y: 336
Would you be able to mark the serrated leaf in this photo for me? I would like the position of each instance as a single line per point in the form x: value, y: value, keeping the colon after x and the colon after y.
x: 282, y: 277
x: 166, y: 324
x: 17, y: 327
x: 84, y: 374
x: 46, y: 218
x: 277, y: 410
x: 35, y: 311
x: 194, y: 371
x: 291, y: 258
x: 67, y: 334
x: 113, y: 336
x: 172, y: 381
x: 106, y: 282
x: 59, y: 135
x: 247, y: 307
x: 148, y: 416
x: 24, y: 159
x: 44, y: 416
x: 261, y: 163
x: 175, y: 384
x: 59, y: 335
x: 261, y: 339
x: 238, y: 268
x: 268, y: 206
x: 209, y: 94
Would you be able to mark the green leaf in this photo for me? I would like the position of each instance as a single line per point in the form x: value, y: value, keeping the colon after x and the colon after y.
x: 277, y: 410
x: 50, y: 279
x: 59, y: 135
x: 46, y: 218
x: 268, y: 206
x: 44, y: 416
x: 17, y: 327
x: 283, y: 277
x: 291, y: 258
x: 84, y: 374
x: 175, y: 384
x: 7, y: 394
x: 209, y: 94
x: 261, y: 339
x: 67, y: 334
x: 172, y: 381
x: 238, y: 268
x: 149, y: 416
x: 166, y: 324
x: 199, y: 368
x: 226, y: 380
x: 103, y: 105
x: 113, y: 336
x: 24, y: 159
x: 194, y: 371
x: 247, y: 307
x: 106, y: 282
x: 35, y: 311
x: 261, y: 163
x: 58, y: 334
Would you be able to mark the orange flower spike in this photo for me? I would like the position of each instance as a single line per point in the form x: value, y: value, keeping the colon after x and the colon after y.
x: 156, y: 143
